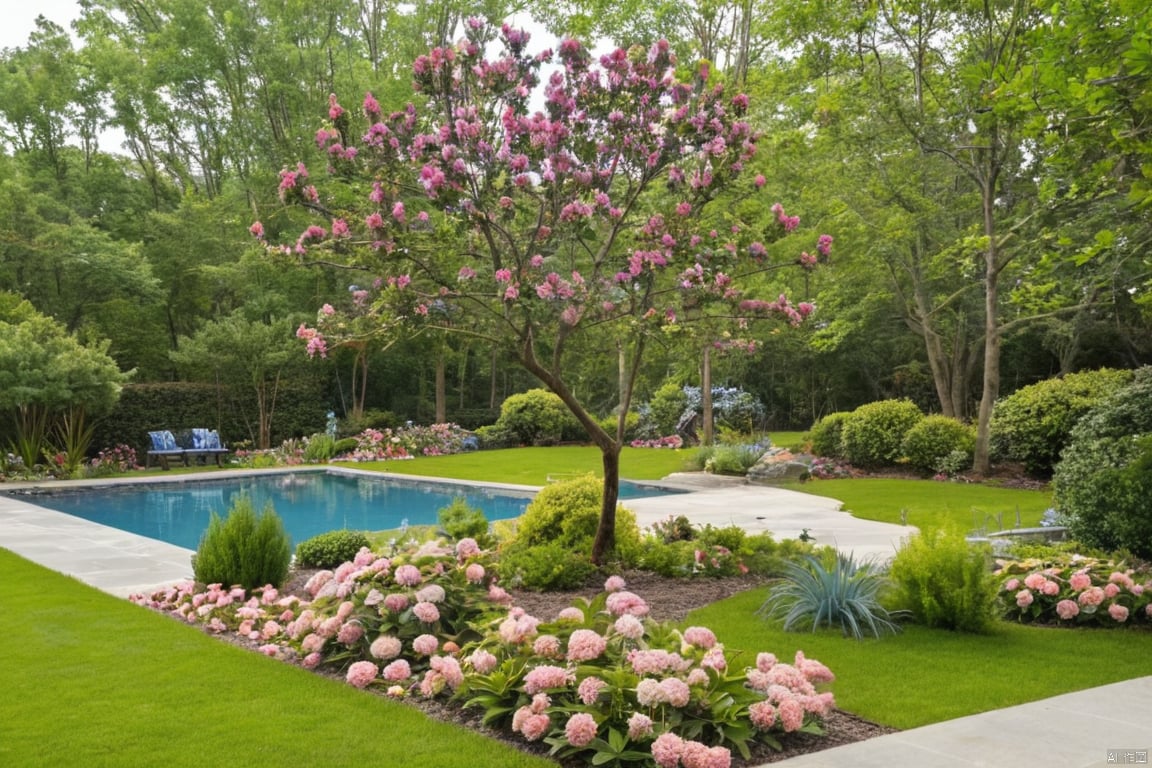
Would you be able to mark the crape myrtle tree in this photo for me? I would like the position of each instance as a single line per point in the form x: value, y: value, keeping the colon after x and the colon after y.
x: 581, y: 224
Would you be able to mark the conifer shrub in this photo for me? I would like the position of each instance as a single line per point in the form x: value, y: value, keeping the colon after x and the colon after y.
x: 1034, y: 424
x: 244, y: 548
x: 933, y: 440
x: 944, y: 581
x: 462, y: 521
x: 330, y: 549
x: 873, y: 436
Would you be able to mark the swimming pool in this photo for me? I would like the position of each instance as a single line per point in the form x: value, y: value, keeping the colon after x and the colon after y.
x: 309, y: 503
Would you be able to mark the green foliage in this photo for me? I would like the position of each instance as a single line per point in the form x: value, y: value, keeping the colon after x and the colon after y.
x: 319, y: 448
x: 1104, y: 480
x: 934, y: 439
x: 550, y: 566
x: 537, y: 416
x: 666, y: 406
x: 836, y: 591
x: 243, y: 548
x: 728, y: 459
x: 1034, y: 423
x: 568, y: 512
x: 631, y: 424
x: 344, y: 445
x: 874, y: 434
x: 461, y: 521
x: 945, y: 582
x: 825, y: 435
x: 330, y: 549
x: 1071, y: 589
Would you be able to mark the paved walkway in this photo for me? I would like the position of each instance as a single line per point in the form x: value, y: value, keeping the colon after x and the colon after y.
x: 1110, y: 725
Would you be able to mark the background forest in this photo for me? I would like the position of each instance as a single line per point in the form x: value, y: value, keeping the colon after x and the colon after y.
x: 983, y: 168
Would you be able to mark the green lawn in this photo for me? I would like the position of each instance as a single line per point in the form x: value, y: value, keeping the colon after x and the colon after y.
x: 93, y: 680
x: 923, y: 676
x: 929, y: 503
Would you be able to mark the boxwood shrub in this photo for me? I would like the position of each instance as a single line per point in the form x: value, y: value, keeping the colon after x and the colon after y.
x: 934, y: 439
x: 873, y: 436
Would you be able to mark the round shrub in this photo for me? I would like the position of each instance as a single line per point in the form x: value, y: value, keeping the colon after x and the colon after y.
x: 666, y: 407
x: 1034, y: 423
x: 943, y: 581
x: 330, y: 549
x: 550, y: 566
x: 874, y: 434
x: 934, y: 439
x: 537, y: 416
x: 568, y: 513
x: 1104, y: 479
x: 631, y: 424
x: 243, y: 549
x: 461, y: 521
x: 825, y: 435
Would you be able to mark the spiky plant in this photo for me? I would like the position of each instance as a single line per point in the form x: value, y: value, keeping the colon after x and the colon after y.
x: 840, y: 592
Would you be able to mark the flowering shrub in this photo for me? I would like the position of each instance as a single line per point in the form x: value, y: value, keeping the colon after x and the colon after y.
x: 829, y: 469
x: 600, y: 681
x: 1079, y: 591
x: 670, y: 441
x: 435, y: 440
x: 377, y: 445
x: 115, y: 460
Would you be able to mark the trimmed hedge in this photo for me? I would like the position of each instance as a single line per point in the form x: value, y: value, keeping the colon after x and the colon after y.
x: 934, y: 439
x: 873, y: 436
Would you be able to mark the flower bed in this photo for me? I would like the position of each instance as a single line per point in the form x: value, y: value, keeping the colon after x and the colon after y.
x: 1079, y: 591
x: 599, y: 682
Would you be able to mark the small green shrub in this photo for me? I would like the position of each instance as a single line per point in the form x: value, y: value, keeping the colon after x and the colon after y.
x: 731, y: 459
x: 244, y: 548
x: 832, y: 591
x: 678, y: 528
x: 825, y: 435
x: 537, y: 416
x: 493, y: 436
x: 934, y: 439
x: 1104, y: 479
x: 568, y: 512
x: 945, y: 582
x: 666, y: 407
x: 666, y: 558
x: 631, y: 425
x: 730, y: 537
x: 550, y: 566
x: 764, y: 556
x: 330, y: 549
x: 874, y: 434
x: 461, y: 521
x: 1034, y: 423
x: 319, y: 448
x: 345, y: 445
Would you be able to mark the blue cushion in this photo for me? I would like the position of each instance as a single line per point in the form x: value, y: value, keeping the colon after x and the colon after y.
x: 212, y: 441
x: 162, y: 440
x: 200, y: 439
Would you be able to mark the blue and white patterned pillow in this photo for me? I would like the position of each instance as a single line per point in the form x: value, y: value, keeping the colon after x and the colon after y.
x: 212, y: 441
x: 162, y: 440
x: 200, y: 439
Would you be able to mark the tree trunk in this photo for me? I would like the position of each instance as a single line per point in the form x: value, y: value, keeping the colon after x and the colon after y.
x: 441, y: 389
x: 605, y: 541
x: 706, y: 427
x: 982, y: 463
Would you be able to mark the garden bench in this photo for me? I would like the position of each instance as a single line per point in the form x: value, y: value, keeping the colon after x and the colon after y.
x: 202, y: 445
x: 164, y: 450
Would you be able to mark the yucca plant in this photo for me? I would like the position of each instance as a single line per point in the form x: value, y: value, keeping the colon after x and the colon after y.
x: 840, y: 592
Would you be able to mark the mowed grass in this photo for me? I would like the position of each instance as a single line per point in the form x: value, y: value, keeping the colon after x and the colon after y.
x: 931, y: 504
x: 93, y: 680
x: 924, y: 676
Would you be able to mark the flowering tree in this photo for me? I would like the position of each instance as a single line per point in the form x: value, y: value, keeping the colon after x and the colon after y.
x: 534, y: 228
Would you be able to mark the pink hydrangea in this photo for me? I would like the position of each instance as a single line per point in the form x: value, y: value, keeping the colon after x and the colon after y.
x: 656, y: 661
x: 1012, y: 585
x: 763, y: 715
x: 426, y: 612
x: 1092, y: 596
x: 350, y: 633
x: 311, y: 661
x: 629, y: 626
x: 386, y: 647
x: 765, y: 661
x: 407, y: 575
x: 648, y: 692
x: 675, y: 691
x: 1123, y: 579
x: 585, y: 645
x: 1118, y: 612
x: 813, y: 671
x: 397, y: 671
x: 620, y: 603
x: 666, y: 750
x: 589, y: 690
x: 361, y: 673
x: 639, y: 726
x: 518, y: 628
x: 466, y: 548
x: 696, y: 755
x: 1024, y: 598
x: 474, y: 573
x: 1034, y: 580
x: 546, y: 677
x: 396, y: 602
x: 1050, y: 588
x: 791, y: 713
x: 614, y: 584
x: 1111, y: 590
x: 701, y: 637
x: 547, y: 646
x: 433, y: 593
x: 425, y: 645
x: 1080, y: 581
x: 482, y: 661
x: 449, y: 668
x: 572, y: 614
x: 580, y: 729
x: 1067, y: 609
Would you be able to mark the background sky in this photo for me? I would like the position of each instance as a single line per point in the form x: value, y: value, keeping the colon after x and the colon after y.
x: 19, y: 18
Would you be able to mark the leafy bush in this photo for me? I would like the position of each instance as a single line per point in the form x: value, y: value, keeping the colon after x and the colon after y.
x: 461, y: 521
x: 631, y: 424
x: 832, y: 591
x: 243, y: 548
x: 825, y: 435
x: 344, y: 445
x: 537, y: 416
x: 568, y: 513
x: 874, y: 434
x: 550, y: 566
x: 933, y: 440
x: 728, y: 459
x: 1034, y: 423
x: 666, y: 407
x: 944, y: 581
x: 319, y: 448
x: 1104, y: 479
x: 1072, y: 590
x: 330, y: 549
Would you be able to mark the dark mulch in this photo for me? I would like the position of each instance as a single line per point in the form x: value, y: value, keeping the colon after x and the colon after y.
x: 670, y: 599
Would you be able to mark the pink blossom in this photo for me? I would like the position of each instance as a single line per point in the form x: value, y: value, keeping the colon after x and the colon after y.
x: 374, y: 221
x: 765, y: 661
x: 1118, y: 612
x: 547, y: 646
x: 614, y: 584
x: 1067, y: 609
x: 474, y: 573
x: 580, y: 729
x: 407, y: 575
x: 396, y: 602
x: 666, y: 750
x: 791, y: 713
x: 1080, y: 581
x: 620, y: 603
x: 1123, y: 579
x: 361, y: 673
x: 760, y: 181
x: 1111, y: 590
x: 385, y: 647
x: 1024, y: 598
x: 257, y: 230
x: 630, y: 627
x: 482, y: 661
x: 350, y: 633
x: 589, y: 690
x: 546, y: 677
x: 585, y: 645
x: 312, y: 660
x: 639, y: 726
x: 1034, y: 580
x: 428, y: 613
x: 701, y: 637
x: 1091, y: 596
x: 813, y: 671
x: 1050, y: 588
x: 433, y: 593
x: 763, y: 715
x: 425, y: 645
x: 535, y: 727
x: 675, y: 691
x: 397, y: 671
x: 571, y: 614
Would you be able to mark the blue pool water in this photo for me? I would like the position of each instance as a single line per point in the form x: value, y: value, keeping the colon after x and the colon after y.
x: 309, y: 503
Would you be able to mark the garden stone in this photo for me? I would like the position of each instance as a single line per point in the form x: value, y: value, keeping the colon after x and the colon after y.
x: 779, y: 465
